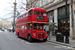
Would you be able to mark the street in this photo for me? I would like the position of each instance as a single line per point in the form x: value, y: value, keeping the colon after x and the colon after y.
x: 9, y: 41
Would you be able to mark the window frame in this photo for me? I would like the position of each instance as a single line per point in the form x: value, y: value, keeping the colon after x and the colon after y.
x: 22, y: 27
x: 26, y: 14
x: 43, y: 2
x: 48, y: 1
x: 36, y: 11
x: 40, y: 3
x: 25, y: 27
x: 43, y: 12
x: 30, y: 12
x: 23, y: 15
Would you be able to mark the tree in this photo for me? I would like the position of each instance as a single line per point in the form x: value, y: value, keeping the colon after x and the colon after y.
x: 20, y: 8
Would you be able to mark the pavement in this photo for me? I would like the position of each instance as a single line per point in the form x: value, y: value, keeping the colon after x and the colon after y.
x: 9, y: 41
x: 71, y: 42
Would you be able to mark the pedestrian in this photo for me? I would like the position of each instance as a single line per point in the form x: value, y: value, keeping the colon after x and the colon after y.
x: 56, y: 31
x: 48, y: 29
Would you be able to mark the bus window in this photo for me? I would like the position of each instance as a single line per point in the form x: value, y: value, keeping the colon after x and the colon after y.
x: 22, y: 27
x: 25, y: 27
x: 43, y: 13
x: 36, y: 26
x: 26, y: 14
x: 19, y: 27
x: 23, y: 16
x: 30, y: 12
x: 41, y: 27
x: 36, y: 12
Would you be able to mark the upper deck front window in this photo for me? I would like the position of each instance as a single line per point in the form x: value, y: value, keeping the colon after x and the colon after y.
x: 30, y: 12
x: 43, y: 13
x: 36, y: 12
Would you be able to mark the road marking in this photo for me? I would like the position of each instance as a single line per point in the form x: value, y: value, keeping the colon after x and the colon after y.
x: 60, y: 45
x: 22, y: 40
x: 18, y: 39
x: 27, y: 43
x: 30, y: 43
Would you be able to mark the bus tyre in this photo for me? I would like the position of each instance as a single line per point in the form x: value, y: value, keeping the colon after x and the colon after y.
x: 45, y: 40
x: 30, y: 38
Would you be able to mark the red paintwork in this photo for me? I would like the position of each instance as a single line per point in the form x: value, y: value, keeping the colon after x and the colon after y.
x: 30, y: 19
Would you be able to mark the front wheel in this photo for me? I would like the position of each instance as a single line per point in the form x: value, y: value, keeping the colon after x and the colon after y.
x: 30, y: 38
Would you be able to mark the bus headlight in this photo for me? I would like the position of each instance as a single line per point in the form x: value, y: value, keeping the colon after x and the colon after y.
x: 34, y: 35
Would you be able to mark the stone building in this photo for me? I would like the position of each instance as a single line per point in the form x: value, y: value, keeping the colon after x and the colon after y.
x: 5, y: 24
x: 56, y: 8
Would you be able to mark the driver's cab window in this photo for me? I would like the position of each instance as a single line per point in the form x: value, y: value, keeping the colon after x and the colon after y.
x: 41, y: 27
x: 36, y: 26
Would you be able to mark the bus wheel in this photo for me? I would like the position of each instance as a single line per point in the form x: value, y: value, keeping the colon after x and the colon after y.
x: 30, y: 38
x: 18, y: 34
x: 45, y: 40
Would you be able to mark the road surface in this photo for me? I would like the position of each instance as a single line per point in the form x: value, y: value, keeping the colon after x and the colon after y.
x: 9, y: 41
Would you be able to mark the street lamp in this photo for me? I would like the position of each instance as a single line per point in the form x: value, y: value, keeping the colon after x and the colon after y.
x: 67, y: 32
x: 14, y: 16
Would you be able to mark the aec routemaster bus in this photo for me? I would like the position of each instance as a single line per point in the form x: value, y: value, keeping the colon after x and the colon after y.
x: 30, y: 24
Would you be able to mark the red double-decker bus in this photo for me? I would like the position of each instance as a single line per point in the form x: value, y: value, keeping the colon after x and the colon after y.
x: 30, y: 24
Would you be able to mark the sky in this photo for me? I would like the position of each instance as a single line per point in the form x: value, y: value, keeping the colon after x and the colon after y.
x: 4, y: 4
x: 5, y: 7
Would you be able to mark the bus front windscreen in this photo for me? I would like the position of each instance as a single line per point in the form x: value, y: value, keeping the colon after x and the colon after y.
x: 38, y: 26
x: 36, y: 12
x: 43, y: 13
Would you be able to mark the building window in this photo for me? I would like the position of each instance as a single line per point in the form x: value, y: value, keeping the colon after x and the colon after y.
x: 37, y: 4
x: 61, y: 12
x: 47, y: 1
x: 29, y: 0
x: 43, y: 2
x: 40, y: 2
x: 51, y: 13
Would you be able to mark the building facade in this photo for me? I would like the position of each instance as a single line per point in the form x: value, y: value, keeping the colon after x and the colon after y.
x: 56, y: 9
x: 5, y: 24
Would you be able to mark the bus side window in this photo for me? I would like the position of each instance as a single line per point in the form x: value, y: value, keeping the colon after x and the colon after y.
x: 25, y: 27
x: 23, y: 15
x: 19, y: 17
x: 26, y: 14
x: 22, y: 27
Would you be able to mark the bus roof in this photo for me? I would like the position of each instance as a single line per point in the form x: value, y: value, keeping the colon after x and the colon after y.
x: 33, y: 9
x: 37, y: 9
